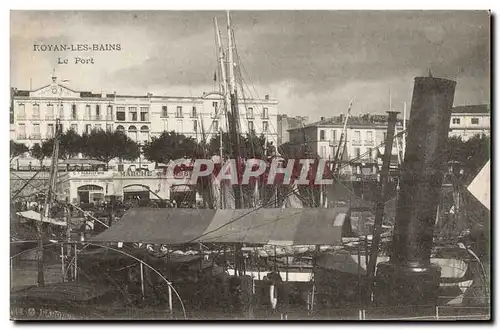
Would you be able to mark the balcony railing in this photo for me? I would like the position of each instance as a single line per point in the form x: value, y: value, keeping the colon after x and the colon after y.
x: 21, y: 136
x: 265, y: 116
x: 21, y: 117
x: 369, y: 142
x: 35, y: 116
x: 36, y: 136
x: 356, y: 142
x: 334, y: 143
x: 49, y: 117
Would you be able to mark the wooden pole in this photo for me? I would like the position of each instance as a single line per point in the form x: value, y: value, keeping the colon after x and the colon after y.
x: 142, y: 280
x: 63, y: 275
x: 384, y: 192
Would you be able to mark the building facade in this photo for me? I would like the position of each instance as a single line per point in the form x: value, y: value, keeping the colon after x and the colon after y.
x: 34, y: 114
x: 286, y: 123
x: 470, y: 120
x: 365, y: 136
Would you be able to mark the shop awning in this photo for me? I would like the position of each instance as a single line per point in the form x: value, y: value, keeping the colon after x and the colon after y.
x: 273, y: 226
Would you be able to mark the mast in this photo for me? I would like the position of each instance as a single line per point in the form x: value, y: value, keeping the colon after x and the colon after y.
x: 224, y: 84
x: 48, y: 201
x: 338, y: 155
x: 404, y: 130
x: 234, y: 117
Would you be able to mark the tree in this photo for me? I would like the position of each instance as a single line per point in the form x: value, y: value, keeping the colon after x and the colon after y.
x: 70, y: 144
x: 37, y: 153
x: 472, y: 154
x: 106, y: 145
x: 169, y: 146
x: 17, y: 149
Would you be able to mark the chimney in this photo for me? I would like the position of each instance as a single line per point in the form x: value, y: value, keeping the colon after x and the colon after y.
x: 409, y: 278
x: 266, y: 97
x: 322, y: 118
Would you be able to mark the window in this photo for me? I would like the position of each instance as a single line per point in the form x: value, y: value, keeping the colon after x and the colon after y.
x: 133, y: 113
x: 36, y: 131
x: 21, y: 114
x: 50, y: 111
x: 385, y: 136
x: 323, y: 151
x: 120, y: 128
x: 357, y: 152
x: 194, y: 113
x: 334, y: 135
x: 120, y: 113
x: 144, y: 133
x: 132, y: 129
x: 50, y: 131
x: 109, y: 127
x: 88, y: 128
x: 369, y: 136
x: 474, y: 121
x: 370, y: 153
x: 178, y: 113
x: 74, y: 127
x: 98, y: 112
x: 322, y: 135
x: 265, y: 113
x: 214, y: 104
x: 36, y: 111
x: 265, y: 126
x: 164, y: 111
x: 98, y: 127
x: 61, y: 128
x: 74, y: 116
x: 109, y: 112
x: 250, y: 126
x: 22, y: 131
x: 215, y: 125
x: 144, y: 116
x: 455, y: 120
x: 61, y: 111
x: 180, y: 125
x: 357, y: 136
x: 250, y: 113
x: 87, y: 111
x: 195, y: 125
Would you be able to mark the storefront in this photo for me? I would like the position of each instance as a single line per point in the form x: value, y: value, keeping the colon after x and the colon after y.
x: 92, y: 187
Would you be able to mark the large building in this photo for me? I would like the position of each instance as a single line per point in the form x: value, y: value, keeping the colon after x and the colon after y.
x: 364, y: 138
x: 34, y: 114
x: 470, y: 120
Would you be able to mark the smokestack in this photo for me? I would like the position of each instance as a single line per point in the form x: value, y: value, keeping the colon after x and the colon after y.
x: 409, y: 278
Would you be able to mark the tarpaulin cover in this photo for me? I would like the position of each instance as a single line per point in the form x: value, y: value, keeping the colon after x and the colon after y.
x: 273, y: 226
x: 158, y: 226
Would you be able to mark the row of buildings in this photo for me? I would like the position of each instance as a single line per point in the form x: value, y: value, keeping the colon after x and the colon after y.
x: 34, y: 113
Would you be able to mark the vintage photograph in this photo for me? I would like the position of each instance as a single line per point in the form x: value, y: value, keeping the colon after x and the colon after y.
x: 250, y: 165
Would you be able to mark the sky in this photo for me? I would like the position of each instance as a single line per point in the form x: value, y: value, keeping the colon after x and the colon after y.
x: 312, y: 62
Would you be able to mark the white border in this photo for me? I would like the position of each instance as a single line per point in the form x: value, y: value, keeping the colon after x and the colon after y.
x: 212, y: 5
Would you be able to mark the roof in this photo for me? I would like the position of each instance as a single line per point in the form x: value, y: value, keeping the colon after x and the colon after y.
x: 479, y: 108
x: 275, y: 226
x: 353, y: 121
